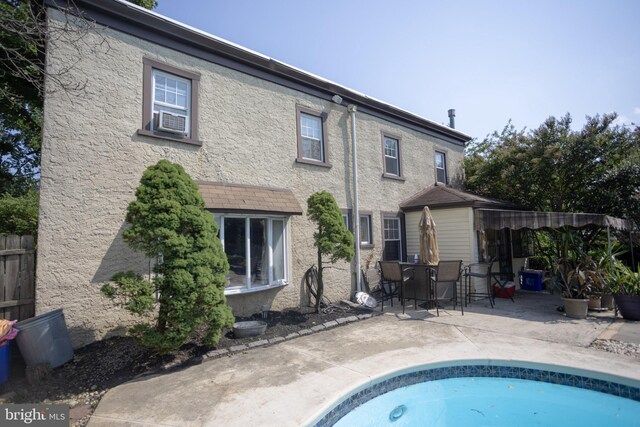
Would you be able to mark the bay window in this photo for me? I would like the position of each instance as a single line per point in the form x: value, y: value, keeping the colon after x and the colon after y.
x: 256, y: 250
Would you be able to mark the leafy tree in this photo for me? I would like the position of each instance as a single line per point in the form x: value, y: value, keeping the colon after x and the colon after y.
x: 168, y: 220
x: 554, y: 168
x: 332, y: 237
x: 19, y: 214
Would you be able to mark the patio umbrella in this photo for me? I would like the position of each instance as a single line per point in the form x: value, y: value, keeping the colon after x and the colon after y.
x: 428, y: 239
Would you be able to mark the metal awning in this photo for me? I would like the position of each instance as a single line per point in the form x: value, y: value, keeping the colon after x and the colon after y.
x: 497, y: 219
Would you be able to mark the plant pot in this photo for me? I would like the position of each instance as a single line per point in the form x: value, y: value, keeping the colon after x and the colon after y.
x: 595, y: 302
x: 607, y: 301
x: 576, y: 308
x: 249, y: 328
x: 629, y: 306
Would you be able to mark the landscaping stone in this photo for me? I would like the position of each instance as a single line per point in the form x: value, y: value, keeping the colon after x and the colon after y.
x: 305, y: 331
x: 330, y: 324
x: 342, y: 320
x: 351, y: 319
x: 292, y: 335
x: 240, y: 347
x: 217, y: 353
x: 276, y: 340
x: 318, y: 328
x: 258, y: 343
x: 365, y: 316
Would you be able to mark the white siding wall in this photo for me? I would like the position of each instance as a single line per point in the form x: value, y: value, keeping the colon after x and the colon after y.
x: 454, y: 227
x: 456, y: 236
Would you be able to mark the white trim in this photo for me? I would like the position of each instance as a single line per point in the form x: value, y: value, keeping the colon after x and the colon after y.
x: 249, y: 286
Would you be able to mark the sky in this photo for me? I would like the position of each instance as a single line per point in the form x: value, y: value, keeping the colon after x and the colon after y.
x: 493, y: 61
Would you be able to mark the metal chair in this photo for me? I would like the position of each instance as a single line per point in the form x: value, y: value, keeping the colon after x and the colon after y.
x: 418, y: 287
x: 392, y: 277
x: 447, y: 274
x: 371, y: 281
x: 480, y: 270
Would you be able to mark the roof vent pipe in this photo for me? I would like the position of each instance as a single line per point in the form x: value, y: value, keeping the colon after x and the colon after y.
x: 452, y: 118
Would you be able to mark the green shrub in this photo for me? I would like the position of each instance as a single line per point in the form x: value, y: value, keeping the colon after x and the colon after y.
x: 332, y: 237
x: 168, y: 219
x: 19, y: 215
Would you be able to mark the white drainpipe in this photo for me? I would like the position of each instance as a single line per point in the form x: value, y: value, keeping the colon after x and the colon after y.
x: 356, y: 211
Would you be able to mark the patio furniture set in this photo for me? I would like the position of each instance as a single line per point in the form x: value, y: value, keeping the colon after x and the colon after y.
x: 434, y: 285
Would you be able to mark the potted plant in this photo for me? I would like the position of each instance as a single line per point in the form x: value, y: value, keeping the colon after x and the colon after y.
x: 606, y: 257
x: 624, y: 283
x: 577, y: 280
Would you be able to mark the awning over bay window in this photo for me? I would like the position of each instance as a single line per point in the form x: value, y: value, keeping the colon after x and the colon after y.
x: 223, y: 197
x: 497, y: 219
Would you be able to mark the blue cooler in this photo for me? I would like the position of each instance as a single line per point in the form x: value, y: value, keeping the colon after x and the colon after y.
x: 531, y: 280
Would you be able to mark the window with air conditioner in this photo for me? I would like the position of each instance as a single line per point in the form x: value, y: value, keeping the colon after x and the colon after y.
x: 171, y: 103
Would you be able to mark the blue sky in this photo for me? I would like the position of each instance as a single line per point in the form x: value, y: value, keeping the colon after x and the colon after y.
x: 490, y: 60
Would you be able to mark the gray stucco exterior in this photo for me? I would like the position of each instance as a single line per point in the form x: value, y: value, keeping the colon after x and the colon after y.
x: 93, y: 159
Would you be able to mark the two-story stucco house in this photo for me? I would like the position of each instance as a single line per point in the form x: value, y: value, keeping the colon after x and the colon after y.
x: 259, y: 137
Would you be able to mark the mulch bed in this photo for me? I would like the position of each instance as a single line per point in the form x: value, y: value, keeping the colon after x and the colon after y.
x: 99, y: 366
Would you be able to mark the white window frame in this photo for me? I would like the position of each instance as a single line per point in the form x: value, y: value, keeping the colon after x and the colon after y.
x: 384, y: 234
x: 186, y: 111
x: 367, y: 218
x: 346, y: 220
x: 396, y: 158
x: 249, y: 286
x: 444, y: 165
x: 320, y: 140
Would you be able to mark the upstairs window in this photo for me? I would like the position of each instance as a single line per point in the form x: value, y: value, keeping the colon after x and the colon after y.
x: 391, y: 156
x: 312, y: 141
x: 170, y: 102
x: 441, y: 167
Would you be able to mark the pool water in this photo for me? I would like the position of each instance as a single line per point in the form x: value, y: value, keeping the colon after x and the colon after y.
x: 487, y: 401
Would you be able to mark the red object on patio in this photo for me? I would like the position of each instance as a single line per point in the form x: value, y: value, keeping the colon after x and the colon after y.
x: 507, y: 291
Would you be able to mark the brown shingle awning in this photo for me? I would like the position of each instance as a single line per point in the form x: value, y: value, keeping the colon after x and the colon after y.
x: 223, y: 197
x: 497, y: 219
x: 441, y: 196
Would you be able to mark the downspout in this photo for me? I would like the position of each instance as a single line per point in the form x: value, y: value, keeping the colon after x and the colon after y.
x: 356, y: 210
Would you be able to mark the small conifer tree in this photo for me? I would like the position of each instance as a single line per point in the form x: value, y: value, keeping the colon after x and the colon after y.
x: 332, y: 237
x: 168, y: 220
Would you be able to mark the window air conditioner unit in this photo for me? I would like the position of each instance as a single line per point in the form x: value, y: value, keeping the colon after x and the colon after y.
x: 171, y: 122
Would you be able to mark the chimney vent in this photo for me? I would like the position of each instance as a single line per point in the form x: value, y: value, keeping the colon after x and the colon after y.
x: 452, y: 118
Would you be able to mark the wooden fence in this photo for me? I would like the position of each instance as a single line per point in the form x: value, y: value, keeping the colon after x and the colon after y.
x: 17, y: 277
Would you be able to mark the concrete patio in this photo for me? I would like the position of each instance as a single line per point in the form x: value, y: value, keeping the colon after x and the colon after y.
x: 294, y: 382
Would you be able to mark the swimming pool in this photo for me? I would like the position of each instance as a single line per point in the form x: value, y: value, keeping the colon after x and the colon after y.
x: 491, y: 395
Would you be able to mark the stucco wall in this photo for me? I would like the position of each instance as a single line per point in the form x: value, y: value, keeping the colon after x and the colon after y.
x: 92, y: 161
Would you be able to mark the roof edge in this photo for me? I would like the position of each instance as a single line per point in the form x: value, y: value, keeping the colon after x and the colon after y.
x: 127, y: 17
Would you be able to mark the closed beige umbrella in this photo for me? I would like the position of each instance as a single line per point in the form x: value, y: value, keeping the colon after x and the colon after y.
x: 429, y: 253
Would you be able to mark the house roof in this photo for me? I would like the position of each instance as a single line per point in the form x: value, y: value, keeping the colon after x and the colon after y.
x: 440, y: 196
x: 219, y: 196
x: 148, y: 25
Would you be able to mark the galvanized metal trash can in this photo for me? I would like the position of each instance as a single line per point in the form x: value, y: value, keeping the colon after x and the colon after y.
x: 45, y: 339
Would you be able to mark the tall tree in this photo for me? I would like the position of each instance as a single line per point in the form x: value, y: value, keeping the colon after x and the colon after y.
x: 332, y: 239
x: 168, y: 219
